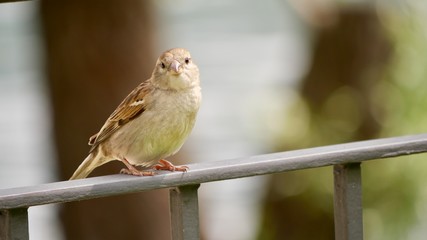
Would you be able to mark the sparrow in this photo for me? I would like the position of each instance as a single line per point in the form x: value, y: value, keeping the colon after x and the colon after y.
x: 152, y: 122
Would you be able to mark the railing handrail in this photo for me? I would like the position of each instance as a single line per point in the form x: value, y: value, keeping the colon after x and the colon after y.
x: 111, y: 185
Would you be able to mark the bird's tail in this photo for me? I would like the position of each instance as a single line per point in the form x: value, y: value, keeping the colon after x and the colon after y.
x: 92, y: 161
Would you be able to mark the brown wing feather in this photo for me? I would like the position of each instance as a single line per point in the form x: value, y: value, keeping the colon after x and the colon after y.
x: 129, y: 108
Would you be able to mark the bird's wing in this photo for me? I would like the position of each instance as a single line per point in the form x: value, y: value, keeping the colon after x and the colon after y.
x: 132, y: 106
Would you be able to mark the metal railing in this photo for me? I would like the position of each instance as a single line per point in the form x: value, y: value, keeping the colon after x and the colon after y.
x: 346, y: 159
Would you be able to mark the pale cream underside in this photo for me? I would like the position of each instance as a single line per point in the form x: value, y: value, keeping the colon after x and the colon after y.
x: 160, y: 131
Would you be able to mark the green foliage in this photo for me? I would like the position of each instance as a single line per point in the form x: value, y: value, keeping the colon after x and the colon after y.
x: 394, y: 190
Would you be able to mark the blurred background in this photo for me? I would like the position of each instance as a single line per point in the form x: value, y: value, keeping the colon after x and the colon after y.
x: 276, y: 75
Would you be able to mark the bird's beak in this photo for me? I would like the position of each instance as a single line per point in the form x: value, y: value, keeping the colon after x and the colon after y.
x: 174, y: 67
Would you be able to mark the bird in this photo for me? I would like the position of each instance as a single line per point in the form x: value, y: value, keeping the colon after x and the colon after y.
x: 152, y: 122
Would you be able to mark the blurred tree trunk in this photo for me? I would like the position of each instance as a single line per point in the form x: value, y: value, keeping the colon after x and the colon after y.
x: 96, y: 53
x: 349, y: 56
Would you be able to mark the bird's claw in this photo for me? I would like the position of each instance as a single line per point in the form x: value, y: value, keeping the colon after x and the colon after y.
x: 168, y: 166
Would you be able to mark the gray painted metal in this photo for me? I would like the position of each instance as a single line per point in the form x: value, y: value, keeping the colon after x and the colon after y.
x: 96, y: 187
x: 184, y: 206
x: 11, y: 1
x: 348, y: 202
x: 14, y: 224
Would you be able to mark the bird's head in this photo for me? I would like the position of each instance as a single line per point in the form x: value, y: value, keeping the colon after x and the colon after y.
x: 175, y: 70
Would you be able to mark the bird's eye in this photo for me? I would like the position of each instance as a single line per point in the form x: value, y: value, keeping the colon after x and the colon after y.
x: 187, y: 60
x: 163, y: 65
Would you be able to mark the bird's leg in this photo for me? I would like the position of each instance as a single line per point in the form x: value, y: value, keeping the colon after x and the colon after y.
x: 166, y: 165
x: 133, y: 171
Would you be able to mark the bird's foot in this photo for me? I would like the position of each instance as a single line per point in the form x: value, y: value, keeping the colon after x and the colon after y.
x: 131, y: 170
x: 166, y: 165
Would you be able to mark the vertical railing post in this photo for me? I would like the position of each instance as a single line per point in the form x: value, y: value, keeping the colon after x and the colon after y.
x: 348, y: 202
x: 184, y: 206
x: 14, y: 224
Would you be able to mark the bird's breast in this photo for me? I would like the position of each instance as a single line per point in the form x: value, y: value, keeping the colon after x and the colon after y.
x: 162, y: 128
